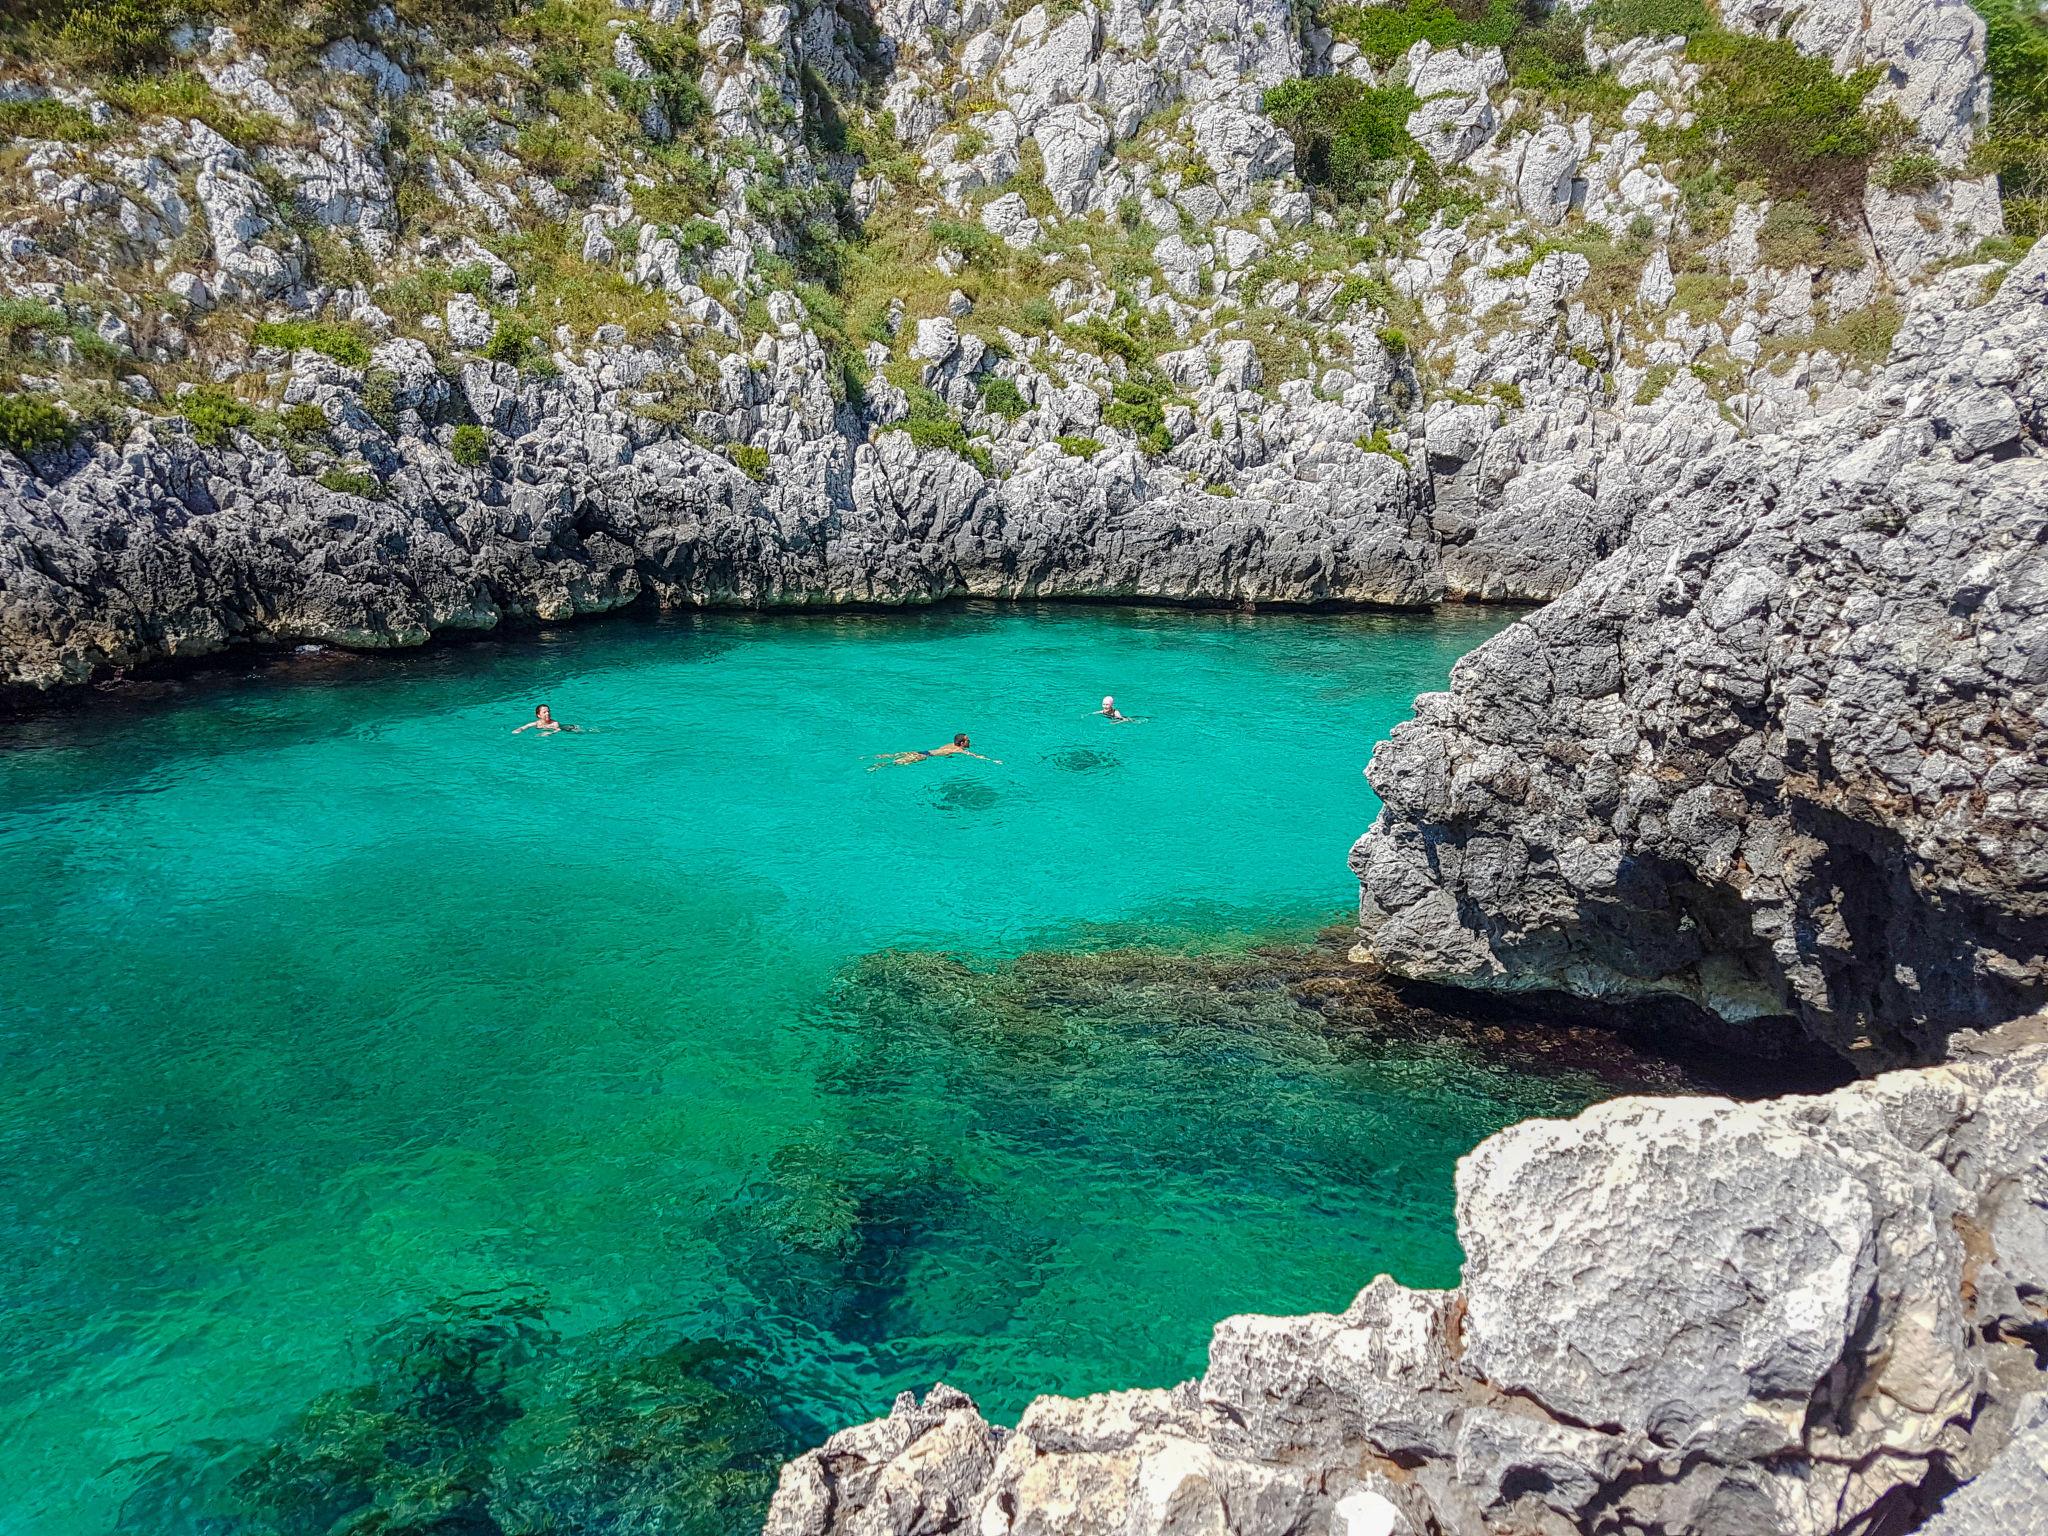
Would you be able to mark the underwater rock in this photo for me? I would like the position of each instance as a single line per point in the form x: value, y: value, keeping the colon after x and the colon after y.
x: 478, y: 1418
x: 1084, y: 760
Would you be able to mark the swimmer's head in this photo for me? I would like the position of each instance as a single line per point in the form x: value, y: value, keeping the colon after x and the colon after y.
x: 540, y: 712
x: 960, y: 740
x: 1108, y: 703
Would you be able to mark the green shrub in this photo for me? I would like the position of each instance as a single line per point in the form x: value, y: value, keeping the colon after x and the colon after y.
x: 970, y: 240
x: 1379, y: 441
x: 186, y: 93
x: 1384, y: 32
x: 931, y: 425
x: 29, y: 423
x: 1655, y: 382
x: 1772, y: 114
x: 1793, y: 235
x: 1647, y: 18
x: 46, y: 119
x: 1862, y: 335
x: 1112, y: 339
x: 515, y: 341
x: 421, y: 292
x: 1218, y: 488
x: 1137, y: 405
x: 25, y: 322
x: 1078, y: 447
x: 1343, y: 131
x: 471, y: 446
x: 2016, y: 146
x: 1002, y: 396
x: 303, y: 423
x: 1549, y: 60
x: 344, y: 343
x: 1911, y: 172
x: 1701, y: 295
x: 1395, y: 340
x: 114, y: 35
x: 215, y: 416
x: 1361, y: 290
x: 353, y: 482
x: 751, y: 461
x: 698, y: 234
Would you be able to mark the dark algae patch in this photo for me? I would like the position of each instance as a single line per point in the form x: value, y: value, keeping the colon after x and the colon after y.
x: 491, y: 1415
x: 476, y: 1418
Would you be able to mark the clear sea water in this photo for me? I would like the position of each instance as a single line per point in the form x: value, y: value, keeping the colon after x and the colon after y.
x: 407, y: 1126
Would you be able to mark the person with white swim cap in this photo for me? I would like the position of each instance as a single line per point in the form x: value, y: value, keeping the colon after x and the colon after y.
x: 1109, y: 710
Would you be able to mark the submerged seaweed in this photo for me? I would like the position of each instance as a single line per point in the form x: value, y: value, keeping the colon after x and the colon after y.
x: 479, y: 1419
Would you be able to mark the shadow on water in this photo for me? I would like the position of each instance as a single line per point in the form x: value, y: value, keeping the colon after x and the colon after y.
x: 1084, y: 760
x: 964, y: 795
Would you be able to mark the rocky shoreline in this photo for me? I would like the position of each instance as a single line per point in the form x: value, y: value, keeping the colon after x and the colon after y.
x: 1678, y: 1315
x: 1806, y: 1315
x: 433, y: 329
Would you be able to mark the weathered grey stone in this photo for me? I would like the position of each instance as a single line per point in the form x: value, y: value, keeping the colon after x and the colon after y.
x: 1694, y: 1316
x: 1710, y: 771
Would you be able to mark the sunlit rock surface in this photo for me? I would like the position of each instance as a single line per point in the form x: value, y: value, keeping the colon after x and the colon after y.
x: 1806, y: 1315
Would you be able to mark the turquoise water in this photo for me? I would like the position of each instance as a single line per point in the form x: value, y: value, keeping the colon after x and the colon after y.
x: 412, y: 1126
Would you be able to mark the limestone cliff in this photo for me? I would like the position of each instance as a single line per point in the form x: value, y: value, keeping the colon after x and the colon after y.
x: 362, y: 324
x: 1781, y: 755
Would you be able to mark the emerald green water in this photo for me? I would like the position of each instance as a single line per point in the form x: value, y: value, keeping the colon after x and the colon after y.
x: 400, y: 1118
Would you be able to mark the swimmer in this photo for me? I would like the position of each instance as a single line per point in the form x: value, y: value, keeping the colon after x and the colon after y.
x: 544, y: 721
x: 1109, y: 710
x: 957, y: 747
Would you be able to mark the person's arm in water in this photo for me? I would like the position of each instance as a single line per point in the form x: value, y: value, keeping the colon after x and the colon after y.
x: 526, y: 727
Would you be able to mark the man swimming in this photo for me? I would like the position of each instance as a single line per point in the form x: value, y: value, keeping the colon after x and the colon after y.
x: 544, y: 721
x: 957, y: 747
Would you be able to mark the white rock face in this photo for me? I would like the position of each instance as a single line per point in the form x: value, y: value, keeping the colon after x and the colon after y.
x: 1456, y: 114
x: 1759, y: 1310
x: 1072, y: 140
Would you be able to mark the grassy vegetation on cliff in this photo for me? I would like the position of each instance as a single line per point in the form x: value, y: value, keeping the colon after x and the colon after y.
x: 2016, y: 147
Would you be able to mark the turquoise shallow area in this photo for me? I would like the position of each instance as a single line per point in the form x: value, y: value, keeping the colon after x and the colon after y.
x: 527, y: 1134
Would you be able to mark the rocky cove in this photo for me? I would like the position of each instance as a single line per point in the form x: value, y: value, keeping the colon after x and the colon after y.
x: 376, y: 326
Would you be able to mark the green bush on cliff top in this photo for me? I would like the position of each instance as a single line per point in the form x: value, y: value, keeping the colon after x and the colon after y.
x: 29, y: 423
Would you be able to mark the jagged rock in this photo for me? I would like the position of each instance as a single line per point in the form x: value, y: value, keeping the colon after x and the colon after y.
x: 1455, y: 116
x: 1072, y: 140
x: 1711, y: 770
x: 1544, y: 185
x: 2012, y: 1495
x: 1009, y: 219
x: 1699, y: 1317
x: 1241, y: 147
x: 469, y: 324
x: 252, y: 246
